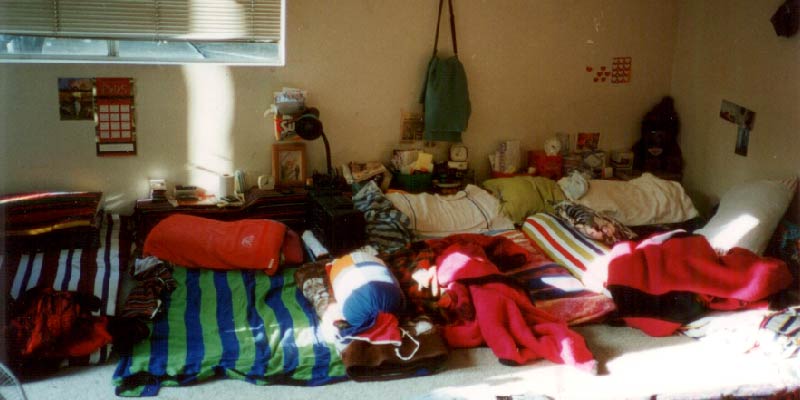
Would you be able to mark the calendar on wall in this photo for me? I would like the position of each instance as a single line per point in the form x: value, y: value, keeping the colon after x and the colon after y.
x: 114, y: 116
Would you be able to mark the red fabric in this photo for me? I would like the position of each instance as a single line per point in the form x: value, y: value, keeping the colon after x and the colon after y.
x: 56, y: 324
x: 504, y: 317
x: 652, y: 326
x: 198, y: 242
x: 690, y: 264
x: 93, y: 336
x: 516, y: 331
x: 292, y: 248
x: 386, y: 330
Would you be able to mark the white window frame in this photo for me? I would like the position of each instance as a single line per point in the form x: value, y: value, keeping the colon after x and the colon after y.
x: 231, y: 32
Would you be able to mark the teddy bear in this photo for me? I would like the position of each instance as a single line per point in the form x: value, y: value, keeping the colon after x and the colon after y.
x: 657, y: 150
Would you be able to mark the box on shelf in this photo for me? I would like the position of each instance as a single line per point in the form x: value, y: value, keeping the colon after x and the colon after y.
x: 547, y: 166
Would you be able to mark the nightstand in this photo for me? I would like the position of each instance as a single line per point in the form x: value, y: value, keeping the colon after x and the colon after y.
x: 290, y: 207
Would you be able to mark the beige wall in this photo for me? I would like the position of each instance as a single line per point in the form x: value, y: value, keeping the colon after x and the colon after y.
x: 362, y: 62
x: 729, y: 50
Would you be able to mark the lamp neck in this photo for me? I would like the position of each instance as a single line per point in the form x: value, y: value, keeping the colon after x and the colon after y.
x: 327, y: 154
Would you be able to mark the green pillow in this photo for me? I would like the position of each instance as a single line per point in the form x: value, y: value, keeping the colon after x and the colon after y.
x: 521, y: 196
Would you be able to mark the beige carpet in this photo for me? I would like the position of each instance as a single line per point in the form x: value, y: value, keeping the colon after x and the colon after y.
x: 633, y: 365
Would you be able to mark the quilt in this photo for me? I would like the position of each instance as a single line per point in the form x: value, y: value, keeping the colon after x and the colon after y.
x: 240, y: 324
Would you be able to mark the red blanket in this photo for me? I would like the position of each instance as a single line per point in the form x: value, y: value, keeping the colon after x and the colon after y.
x: 498, y: 314
x: 662, y: 264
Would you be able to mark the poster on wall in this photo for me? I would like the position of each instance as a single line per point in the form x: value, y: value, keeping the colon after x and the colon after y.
x: 114, y: 116
x: 743, y: 118
x: 75, y: 99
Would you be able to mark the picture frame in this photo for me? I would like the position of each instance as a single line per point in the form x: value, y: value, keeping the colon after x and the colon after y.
x: 289, y: 164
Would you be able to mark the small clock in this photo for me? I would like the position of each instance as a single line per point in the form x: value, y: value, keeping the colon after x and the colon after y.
x: 458, y: 152
x: 552, y: 146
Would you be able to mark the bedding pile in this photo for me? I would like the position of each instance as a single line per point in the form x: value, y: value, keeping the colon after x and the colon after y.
x: 239, y: 300
x: 231, y: 308
x: 70, y: 289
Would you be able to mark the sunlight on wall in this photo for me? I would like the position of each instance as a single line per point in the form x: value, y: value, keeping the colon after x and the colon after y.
x: 734, y: 231
x: 210, y: 102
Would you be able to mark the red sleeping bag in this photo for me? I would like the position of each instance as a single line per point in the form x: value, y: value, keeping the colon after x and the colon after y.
x: 192, y: 241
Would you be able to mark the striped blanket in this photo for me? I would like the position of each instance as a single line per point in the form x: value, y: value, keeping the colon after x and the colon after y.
x: 239, y: 324
x: 563, y: 244
x: 91, y: 270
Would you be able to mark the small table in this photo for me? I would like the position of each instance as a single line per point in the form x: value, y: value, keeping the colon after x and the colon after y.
x: 290, y: 207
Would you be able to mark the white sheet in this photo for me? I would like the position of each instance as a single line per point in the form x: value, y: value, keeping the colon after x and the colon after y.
x: 642, y: 201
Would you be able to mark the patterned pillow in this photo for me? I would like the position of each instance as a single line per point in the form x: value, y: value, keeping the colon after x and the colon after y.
x: 313, y: 281
x: 592, y: 224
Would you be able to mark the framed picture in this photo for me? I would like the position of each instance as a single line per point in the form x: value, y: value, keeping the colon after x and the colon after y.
x: 289, y: 164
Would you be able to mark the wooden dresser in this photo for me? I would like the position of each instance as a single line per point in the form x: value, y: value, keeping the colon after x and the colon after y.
x: 290, y: 207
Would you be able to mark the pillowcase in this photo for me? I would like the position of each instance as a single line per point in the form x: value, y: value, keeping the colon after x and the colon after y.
x: 312, y: 280
x: 645, y: 200
x: 472, y: 210
x: 521, y: 196
x: 748, y: 214
x: 197, y: 242
x: 592, y: 224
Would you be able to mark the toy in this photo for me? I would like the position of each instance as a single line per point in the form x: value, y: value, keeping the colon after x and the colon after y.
x: 658, y: 150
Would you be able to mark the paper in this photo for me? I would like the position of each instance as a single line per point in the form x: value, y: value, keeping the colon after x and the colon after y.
x: 424, y: 162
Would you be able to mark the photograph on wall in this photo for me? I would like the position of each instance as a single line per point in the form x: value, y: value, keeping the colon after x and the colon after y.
x: 587, y: 141
x: 742, y: 139
x: 288, y: 164
x: 743, y: 118
x: 737, y: 114
x: 75, y: 99
x: 114, y: 117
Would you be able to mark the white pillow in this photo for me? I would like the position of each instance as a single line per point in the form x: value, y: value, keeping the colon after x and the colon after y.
x: 472, y: 210
x: 645, y: 200
x: 748, y: 214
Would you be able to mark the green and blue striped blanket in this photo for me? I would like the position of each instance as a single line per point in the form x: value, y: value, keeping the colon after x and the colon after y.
x: 239, y: 324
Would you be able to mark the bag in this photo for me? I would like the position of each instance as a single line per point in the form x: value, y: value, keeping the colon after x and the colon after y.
x: 445, y: 96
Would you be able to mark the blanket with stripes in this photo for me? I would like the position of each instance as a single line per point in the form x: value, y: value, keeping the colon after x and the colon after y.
x: 238, y: 324
x: 96, y: 271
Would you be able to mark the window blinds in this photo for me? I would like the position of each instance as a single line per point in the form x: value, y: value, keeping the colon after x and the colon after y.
x: 183, y: 20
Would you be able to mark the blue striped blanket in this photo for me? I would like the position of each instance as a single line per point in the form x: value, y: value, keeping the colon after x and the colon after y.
x: 238, y: 324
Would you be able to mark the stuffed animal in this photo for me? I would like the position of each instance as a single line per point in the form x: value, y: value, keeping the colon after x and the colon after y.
x: 658, y: 150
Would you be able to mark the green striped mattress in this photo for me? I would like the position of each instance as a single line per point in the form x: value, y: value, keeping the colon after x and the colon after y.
x: 238, y: 324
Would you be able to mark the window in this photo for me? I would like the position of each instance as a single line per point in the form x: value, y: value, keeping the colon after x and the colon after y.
x: 142, y: 31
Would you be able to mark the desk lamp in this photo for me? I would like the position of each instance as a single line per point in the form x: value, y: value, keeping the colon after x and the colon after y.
x: 309, y: 127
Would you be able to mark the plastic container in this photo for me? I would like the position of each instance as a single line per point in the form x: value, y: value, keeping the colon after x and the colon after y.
x: 415, y: 183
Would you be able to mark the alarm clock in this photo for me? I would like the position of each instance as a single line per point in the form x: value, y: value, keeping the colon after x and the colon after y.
x: 458, y: 157
x: 458, y: 152
x: 552, y: 146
